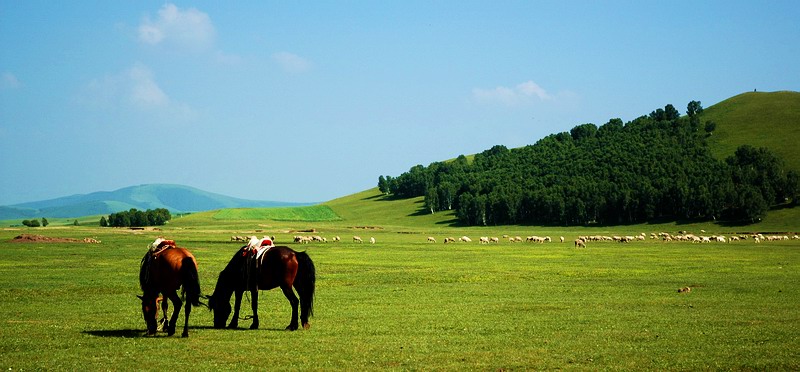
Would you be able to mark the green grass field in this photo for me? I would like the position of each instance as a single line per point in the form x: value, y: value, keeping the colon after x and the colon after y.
x: 404, y: 303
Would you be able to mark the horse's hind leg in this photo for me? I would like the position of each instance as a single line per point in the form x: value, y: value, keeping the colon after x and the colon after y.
x: 289, y: 293
x: 176, y: 303
x: 187, y: 311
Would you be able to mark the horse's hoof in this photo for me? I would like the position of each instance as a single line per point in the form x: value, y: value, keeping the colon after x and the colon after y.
x: 291, y: 327
x: 306, y: 325
x: 185, y: 334
x: 254, y: 326
x: 233, y: 326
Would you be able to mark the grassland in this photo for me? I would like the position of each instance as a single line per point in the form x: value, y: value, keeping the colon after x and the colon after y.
x: 404, y: 303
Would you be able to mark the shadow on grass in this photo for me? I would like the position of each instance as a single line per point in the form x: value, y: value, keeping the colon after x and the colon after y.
x: 141, y: 333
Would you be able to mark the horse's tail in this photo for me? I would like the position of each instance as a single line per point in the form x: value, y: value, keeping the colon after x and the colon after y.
x: 191, y: 281
x: 305, y: 283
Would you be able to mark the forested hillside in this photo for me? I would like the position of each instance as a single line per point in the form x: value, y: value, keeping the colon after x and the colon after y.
x: 657, y: 166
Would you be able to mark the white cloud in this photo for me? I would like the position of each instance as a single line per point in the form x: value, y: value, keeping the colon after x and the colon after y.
x: 189, y: 29
x: 291, y: 62
x: 524, y: 93
x: 9, y: 81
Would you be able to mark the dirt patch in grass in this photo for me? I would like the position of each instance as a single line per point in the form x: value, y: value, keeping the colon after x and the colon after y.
x: 32, y: 238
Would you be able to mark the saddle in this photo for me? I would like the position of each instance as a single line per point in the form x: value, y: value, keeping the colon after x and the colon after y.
x: 160, y: 245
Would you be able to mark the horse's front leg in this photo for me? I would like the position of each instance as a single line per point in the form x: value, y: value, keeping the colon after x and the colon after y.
x: 164, y: 307
x: 254, y: 303
x: 176, y: 303
x: 289, y: 293
x: 237, y: 303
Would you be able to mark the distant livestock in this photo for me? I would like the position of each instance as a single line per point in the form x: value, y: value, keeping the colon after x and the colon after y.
x: 357, y: 239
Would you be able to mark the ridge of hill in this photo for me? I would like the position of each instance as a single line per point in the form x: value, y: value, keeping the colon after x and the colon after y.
x: 175, y: 198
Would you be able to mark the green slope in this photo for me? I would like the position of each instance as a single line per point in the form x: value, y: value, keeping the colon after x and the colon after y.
x: 770, y: 120
x: 371, y: 208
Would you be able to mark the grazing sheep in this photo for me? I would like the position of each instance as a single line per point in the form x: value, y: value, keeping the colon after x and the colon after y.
x: 357, y: 239
x: 580, y: 243
x: 494, y: 239
x: 484, y: 240
x: 431, y: 239
x: 371, y: 240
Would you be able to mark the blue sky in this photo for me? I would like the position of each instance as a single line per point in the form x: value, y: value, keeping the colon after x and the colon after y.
x: 309, y: 101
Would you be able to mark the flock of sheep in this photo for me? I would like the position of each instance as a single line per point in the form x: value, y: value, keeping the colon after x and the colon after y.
x: 579, y: 242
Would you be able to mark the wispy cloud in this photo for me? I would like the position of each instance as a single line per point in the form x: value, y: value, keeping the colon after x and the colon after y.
x: 290, y: 62
x: 188, y: 29
x: 144, y: 92
x: 9, y: 81
x: 133, y: 89
x: 524, y: 93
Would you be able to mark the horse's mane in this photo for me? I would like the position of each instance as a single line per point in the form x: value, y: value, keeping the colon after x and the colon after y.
x: 144, y: 277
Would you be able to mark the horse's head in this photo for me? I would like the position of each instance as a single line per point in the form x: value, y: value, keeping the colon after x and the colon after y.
x: 150, y: 313
x: 219, y: 302
x: 221, y: 308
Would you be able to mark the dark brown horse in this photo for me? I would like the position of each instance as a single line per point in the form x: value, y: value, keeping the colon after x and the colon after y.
x: 277, y: 267
x: 164, y: 270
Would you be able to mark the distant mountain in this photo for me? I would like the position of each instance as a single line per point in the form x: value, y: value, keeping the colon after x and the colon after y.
x: 175, y: 198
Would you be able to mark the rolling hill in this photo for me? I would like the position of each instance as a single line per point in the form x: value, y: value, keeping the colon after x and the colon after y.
x: 175, y: 198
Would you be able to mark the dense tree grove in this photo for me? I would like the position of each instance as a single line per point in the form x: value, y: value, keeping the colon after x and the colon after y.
x: 135, y: 217
x: 654, y: 167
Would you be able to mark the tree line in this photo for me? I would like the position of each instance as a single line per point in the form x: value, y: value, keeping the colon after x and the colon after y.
x: 137, y: 218
x: 35, y: 222
x: 657, y: 166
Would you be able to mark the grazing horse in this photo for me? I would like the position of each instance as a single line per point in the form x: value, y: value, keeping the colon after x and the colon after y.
x: 275, y: 267
x: 164, y: 269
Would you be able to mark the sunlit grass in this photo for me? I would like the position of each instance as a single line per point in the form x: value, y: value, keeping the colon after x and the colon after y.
x: 404, y: 303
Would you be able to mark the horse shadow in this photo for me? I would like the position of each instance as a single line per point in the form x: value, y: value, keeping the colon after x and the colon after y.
x: 141, y: 333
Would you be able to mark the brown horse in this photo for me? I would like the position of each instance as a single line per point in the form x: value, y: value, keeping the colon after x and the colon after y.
x: 277, y: 267
x: 165, y: 269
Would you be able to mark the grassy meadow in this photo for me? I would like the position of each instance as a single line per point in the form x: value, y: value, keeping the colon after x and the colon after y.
x: 404, y: 303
